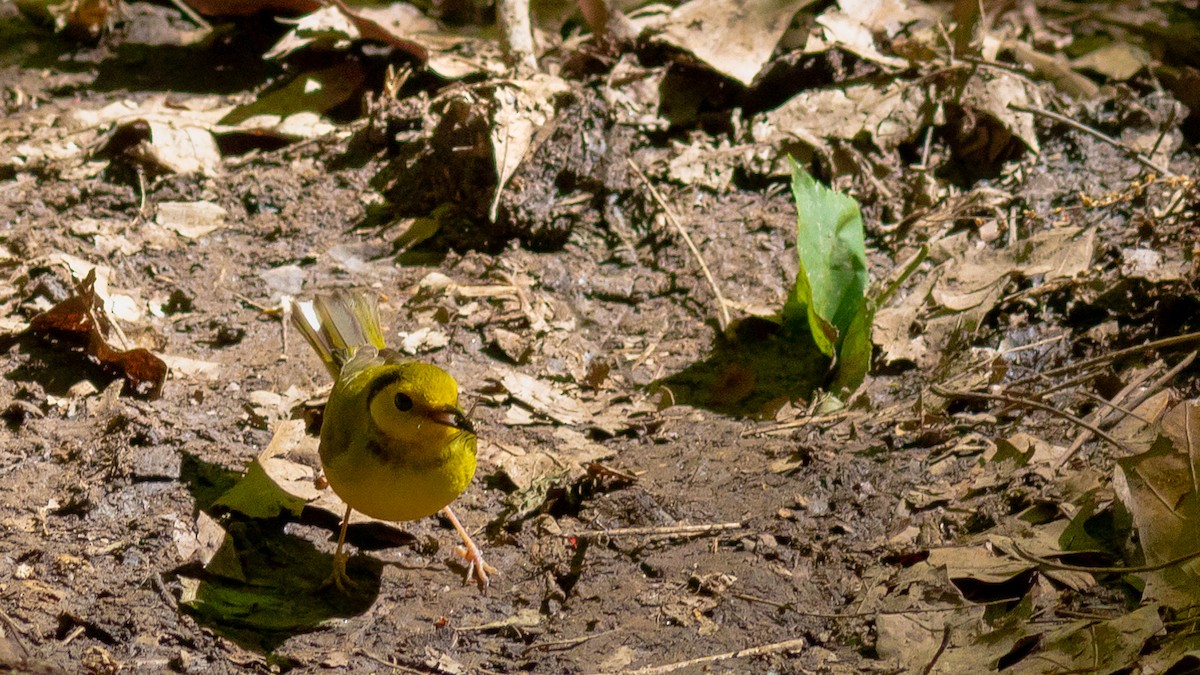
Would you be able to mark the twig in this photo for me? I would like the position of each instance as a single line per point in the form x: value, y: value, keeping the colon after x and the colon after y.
x: 161, y: 587
x: 191, y: 14
x: 396, y: 666
x: 803, y: 422
x: 12, y: 626
x: 786, y: 646
x: 567, y: 643
x: 75, y: 632
x: 754, y: 598
x: 1162, y: 381
x: 516, y: 33
x: 1029, y: 403
x: 1098, y: 418
x: 675, y: 530
x: 1163, y: 132
x: 1133, y: 154
x: 1031, y: 345
x: 1113, y: 407
x: 1050, y: 565
x: 1111, y: 356
x: 940, y: 650
x: 723, y: 316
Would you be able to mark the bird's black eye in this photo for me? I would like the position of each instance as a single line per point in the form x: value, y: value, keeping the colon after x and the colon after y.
x: 404, y: 402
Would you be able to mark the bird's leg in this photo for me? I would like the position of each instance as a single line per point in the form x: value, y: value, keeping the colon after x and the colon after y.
x: 338, y: 577
x: 477, y: 569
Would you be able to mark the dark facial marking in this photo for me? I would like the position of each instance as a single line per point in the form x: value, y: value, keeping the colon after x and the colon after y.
x: 382, y: 382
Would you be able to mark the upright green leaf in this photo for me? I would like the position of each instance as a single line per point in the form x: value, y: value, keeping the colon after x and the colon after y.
x: 829, y: 296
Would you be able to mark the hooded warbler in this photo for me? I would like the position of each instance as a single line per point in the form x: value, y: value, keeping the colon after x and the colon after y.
x: 394, y: 443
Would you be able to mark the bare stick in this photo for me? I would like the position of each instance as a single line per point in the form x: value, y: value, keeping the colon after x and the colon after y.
x: 786, y: 646
x: 517, y: 34
x: 802, y: 422
x: 12, y: 626
x: 1133, y: 154
x: 560, y: 645
x: 754, y: 598
x: 191, y: 14
x: 940, y: 650
x: 1099, y: 416
x: 1112, y: 356
x: 723, y: 316
x: 1029, y: 403
x: 684, y: 530
x: 1162, y: 381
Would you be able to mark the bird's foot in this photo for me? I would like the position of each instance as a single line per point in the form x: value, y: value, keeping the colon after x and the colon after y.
x: 477, y: 568
x: 338, y: 578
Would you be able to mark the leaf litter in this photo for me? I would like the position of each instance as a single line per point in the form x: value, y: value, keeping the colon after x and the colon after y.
x: 1011, y: 487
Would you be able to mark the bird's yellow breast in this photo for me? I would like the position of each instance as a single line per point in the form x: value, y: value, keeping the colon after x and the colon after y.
x: 387, y: 443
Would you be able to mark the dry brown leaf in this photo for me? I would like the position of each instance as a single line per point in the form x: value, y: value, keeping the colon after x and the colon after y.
x: 974, y: 281
x: 1116, y: 60
x: 520, y: 108
x: 854, y: 25
x: 1161, y: 488
x: 888, y: 116
x: 735, y: 37
x: 191, y: 220
x: 892, y: 327
x: 80, y: 320
x: 194, y: 368
x: 540, y: 397
x: 992, y: 92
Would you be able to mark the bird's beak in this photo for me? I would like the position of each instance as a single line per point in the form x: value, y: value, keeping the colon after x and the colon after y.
x: 452, y: 417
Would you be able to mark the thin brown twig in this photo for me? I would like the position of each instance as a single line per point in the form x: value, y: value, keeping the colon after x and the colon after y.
x: 191, y: 14
x: 12, y: 626
x: 1098, y: 417
x: 1031, y: 345
x: 1029, y: 403
x: 787, y: 646
x: 803, y: 422
x: 1163, y: 381
x: 1112, y: 407
x: 754, y: 598
x: 1111, y: 356
x: 674, y: 530
x: 395, y: 666
x: 1080, y: 126
x: 937, y: 655
x: 566, y: 643
x: 1136, y: 401
x: 723, y: 311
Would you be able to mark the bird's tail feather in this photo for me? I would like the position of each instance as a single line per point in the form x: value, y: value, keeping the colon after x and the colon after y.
x: 337, y: 325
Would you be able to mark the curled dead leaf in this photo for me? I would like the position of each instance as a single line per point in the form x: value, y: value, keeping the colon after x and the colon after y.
x: 81, y: 320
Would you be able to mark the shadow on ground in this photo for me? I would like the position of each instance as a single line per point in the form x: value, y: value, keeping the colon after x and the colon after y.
x: 264, y: 585
x: 752, y: 373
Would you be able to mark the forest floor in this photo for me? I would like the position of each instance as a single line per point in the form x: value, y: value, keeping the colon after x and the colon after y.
x: 657, y: 490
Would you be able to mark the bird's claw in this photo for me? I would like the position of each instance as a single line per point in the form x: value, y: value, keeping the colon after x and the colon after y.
x: 339, y: 579
x: 477, y: 568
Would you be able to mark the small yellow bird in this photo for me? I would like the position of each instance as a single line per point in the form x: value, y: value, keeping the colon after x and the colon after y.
x: 394, y: 443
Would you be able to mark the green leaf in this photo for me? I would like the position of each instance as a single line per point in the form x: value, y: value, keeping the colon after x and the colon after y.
x: 854, y: 356
x: 829, y: 296
x: 257, y: 496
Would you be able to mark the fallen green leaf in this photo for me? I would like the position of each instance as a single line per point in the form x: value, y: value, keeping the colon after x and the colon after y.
x: 257, y: 496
